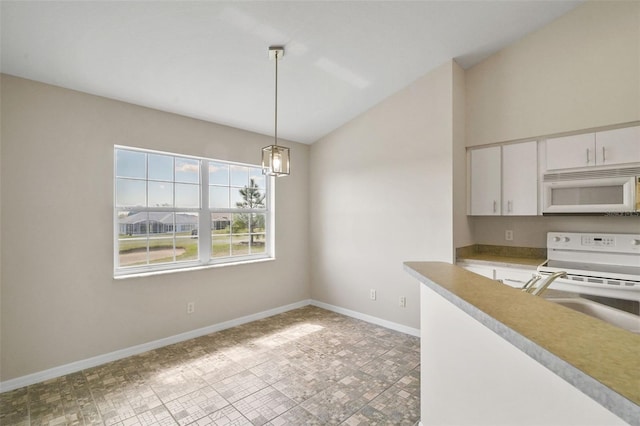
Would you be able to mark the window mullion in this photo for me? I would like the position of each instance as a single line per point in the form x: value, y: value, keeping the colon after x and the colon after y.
x: 270, y: 218
x: 204, y: 225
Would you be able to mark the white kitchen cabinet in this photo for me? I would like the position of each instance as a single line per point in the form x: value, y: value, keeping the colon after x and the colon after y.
x: 511, y: 276
x: 514, y: 277
x: 520, y: 179
x: 570, y: 152
x: 605, y: 148
x: 618, y: 146
x: 485, y: 271
x: 504, y: 180
x: 485, y: 181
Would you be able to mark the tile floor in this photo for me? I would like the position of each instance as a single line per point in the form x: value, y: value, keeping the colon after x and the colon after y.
x: 308, y: 366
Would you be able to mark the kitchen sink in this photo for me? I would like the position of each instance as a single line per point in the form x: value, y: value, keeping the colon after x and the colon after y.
x: 605, y: 313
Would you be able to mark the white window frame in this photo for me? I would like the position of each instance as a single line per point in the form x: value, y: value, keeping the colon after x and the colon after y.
x: 204, y: 222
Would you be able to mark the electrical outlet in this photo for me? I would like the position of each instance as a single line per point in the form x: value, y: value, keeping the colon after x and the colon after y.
x: 508, y: 235
x: 403, y: 302
x: 372, y: 294
x: 191, y: 307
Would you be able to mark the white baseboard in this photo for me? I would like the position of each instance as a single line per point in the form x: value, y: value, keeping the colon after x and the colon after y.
x: 368, y: 318
x: 74, y: 367
x: 95, y: 361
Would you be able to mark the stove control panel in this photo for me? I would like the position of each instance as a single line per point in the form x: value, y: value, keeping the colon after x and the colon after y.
x: 598, y: 241
x: 590, y: 242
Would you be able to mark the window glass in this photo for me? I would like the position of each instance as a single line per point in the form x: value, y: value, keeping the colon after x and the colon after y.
x: 132, y: 238
x: 257, y: 232
x: 156, y: 237
x: 221, y: 246
x: 243, y: 233
x: 187, y: 170
x: 187, y: 195
x: 131, y: 164
x: 161, y: 249
x: 255, y: 175
x: 236, y: 198
x: 218, y: 174
x: 219, y: 197
x: 239, y: 175
x: 160, y: 167
x: 160, y: 194
x: 131, y: 193
x: 158, y: 210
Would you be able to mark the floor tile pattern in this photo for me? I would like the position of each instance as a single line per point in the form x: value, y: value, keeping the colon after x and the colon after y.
x: 308, y: 366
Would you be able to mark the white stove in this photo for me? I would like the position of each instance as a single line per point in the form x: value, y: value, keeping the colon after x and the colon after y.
x: 606, y: 265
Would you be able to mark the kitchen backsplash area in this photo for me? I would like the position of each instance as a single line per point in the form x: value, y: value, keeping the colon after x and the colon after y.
x: 469, y: 252
x: 531, y: 231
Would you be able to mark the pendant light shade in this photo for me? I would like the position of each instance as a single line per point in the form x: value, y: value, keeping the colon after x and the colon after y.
x: 275, y: 158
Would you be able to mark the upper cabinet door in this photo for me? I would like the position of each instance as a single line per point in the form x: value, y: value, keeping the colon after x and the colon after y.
x: 520, y: 179
x: 485, y: 181
x: 570, y: 152
x: 618, y: 146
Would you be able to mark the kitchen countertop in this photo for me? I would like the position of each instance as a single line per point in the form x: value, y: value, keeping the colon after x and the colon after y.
x: 597, y: 358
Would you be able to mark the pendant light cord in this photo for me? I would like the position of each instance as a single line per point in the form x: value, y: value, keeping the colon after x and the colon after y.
x: 276, y: 107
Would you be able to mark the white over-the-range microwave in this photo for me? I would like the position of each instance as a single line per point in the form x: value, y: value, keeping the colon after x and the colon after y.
x: 608, y: 192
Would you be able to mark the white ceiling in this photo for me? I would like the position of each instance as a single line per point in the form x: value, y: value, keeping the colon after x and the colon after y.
x: 208, y: 59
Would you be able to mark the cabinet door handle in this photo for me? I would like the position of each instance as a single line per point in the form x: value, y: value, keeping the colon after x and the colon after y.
x: 603, y: 155
x: 587, y: 156
x: 495, y: 206
x: 509, y: 206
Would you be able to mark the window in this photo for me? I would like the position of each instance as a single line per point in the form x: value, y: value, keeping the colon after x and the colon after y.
x: 174, y: 211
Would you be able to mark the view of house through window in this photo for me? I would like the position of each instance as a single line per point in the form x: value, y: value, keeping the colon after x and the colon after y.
x: 237, y: 199
x: 175, y: 211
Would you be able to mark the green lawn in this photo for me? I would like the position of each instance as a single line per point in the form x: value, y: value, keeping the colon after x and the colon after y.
x: 223, y: 245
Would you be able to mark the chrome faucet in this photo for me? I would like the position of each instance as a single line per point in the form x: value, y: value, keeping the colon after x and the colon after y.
x: 538, y: 290
x: 529, y: 286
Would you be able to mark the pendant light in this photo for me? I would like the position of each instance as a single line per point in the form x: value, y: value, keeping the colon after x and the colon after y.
x: 275, y: 158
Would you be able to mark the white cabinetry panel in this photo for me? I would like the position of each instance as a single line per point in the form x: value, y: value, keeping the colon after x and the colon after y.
x: 511, y: 276
x: 514, y: 277
x: 485, y: 181
x: 605, y: 148
x: 569, y: 152
x: 485, y: 271
x: 520, y: 179
x: 618, y: 146
x: 504, y: 180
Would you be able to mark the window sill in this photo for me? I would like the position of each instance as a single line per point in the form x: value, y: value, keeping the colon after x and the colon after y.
x: 124, y: 276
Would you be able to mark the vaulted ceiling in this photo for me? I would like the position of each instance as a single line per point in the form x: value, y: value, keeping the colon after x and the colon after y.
x: 208, y: 59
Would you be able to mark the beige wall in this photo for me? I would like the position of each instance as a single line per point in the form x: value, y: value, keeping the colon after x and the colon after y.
x: 381, y: 194
x: 462, y: 230
x: 581, y: 71
x: 60, y: 302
